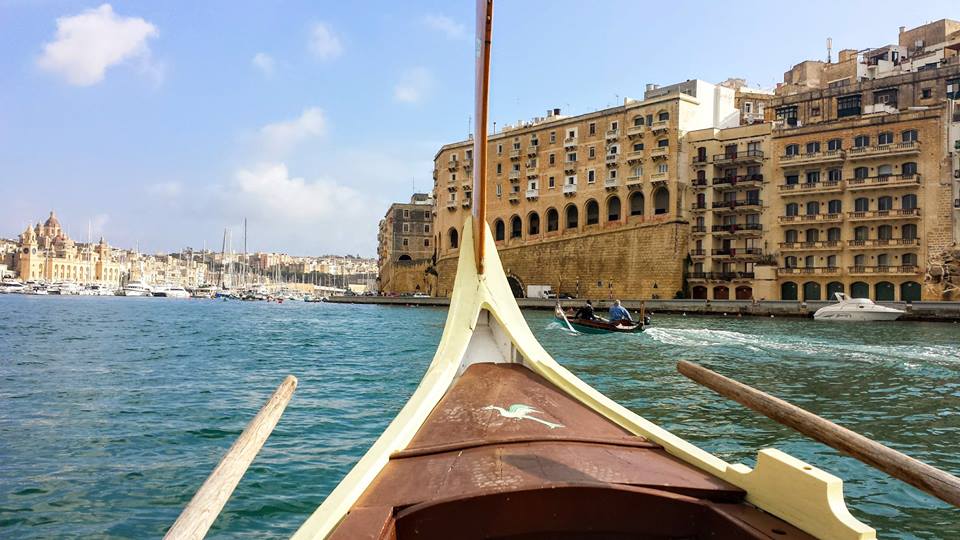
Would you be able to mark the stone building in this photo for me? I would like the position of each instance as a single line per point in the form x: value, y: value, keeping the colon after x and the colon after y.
x: 405, y: 247
x: 46, y: 253
x: 591, y: 205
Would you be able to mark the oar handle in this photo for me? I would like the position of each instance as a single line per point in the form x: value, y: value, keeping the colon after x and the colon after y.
x: 936, y: 482
x: 209, y: 500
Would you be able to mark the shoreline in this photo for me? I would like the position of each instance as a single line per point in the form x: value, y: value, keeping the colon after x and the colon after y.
x: 915, y: 311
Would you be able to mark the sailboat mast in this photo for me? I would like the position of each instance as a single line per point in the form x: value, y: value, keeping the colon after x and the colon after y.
x: 482, y: 91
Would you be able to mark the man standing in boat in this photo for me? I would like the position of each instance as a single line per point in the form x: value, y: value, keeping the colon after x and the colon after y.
x: 586, y: 312
x: 619, y: 313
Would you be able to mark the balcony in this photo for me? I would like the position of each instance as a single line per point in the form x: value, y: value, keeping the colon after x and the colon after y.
x: 698, y: 253
x: 827, y: 186
x: 660, y: 126
x: 467, y: 199
x: 739, y: 228
x: 532, y: 173
x: 634, y: 180
x: 532, y: 150
x: 468, y: 164
x: 515, y: 153
x: 739, y: 253
x: 699, y: 229
x: 720, y: 276
x: 747, y: 156
x: 613, y: 134
x: 611, y: 159
x: 735, y: 206
x: 635, y: 157
x: 569, y: 189
x: 885, y: 181
x: 808, y: 218
x: 514, y: 176
x: 700, y: 183
x: 451, y: 205
x: 570, y: 142
x: 830, y: 156
x: 514, y: 197
x: 453, y: 164
x: 698, y: 207
x: 699, y: 161
x: 900, y: 213
x: 810, y: 270
x: 883, y: 150
x: 884, y: 270
x: 733, y: 182
x: 611, y: 183
x: 635, y: 131
x: 883, y: 243
x: 570, y: 166
x: 658, y: 177
x: 533, y: 194
x: 660, y: 152
x: 810, y: 246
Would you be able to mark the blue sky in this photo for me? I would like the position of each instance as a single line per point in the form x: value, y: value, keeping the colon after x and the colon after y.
x: 164, y: 122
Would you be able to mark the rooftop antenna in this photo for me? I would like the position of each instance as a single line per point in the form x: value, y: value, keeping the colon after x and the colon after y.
x: 829, y: 50
x: 469, y: 125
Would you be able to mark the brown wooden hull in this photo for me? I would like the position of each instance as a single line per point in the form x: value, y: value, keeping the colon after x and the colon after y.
x: 506, y: 454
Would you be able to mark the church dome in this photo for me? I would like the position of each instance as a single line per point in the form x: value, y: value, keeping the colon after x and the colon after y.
x: 52, y: 221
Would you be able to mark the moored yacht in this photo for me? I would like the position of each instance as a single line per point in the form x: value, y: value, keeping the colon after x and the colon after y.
x: 65, y: 288
x: 11, y: 286
x: 856, y: 309
x: 98, y: 289
x: 204, y: 291
x: 136, y: 288
x: 172, y: 291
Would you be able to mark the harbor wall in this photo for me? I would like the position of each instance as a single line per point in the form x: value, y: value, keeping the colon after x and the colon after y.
x: 401, y: 277
x: 641, y: 261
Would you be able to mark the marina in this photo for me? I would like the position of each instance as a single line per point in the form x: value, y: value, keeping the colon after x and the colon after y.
x: 117, y: 409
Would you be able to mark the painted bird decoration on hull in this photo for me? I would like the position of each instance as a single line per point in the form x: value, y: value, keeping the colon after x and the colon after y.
x: 521, y: 412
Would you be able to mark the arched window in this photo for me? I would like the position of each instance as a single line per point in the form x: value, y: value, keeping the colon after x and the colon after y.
x: 835, y: 206
x: 861, y: 204
x: 721, y: 292
x: 861, y: 140
x: 793, y: 209
x: 638, y: 120
x: 860, y: 260
x: 908, y: 169
x: 636, y: 203
x: 592, y: 210
x: 813, y: 235
x: 884, y: 291
x: 885, y: 137
x: 885, y: 203
x: 861, y: 172
x: 909, y: 259
x: 859, y: 289
x: 454, y: 240
x: 909, y: 201
x: 833, y: 288
x: 792, y: 149
x: 884, y: 232
x: 499, y: 230
x: 811, y: 291
x: 813, y: 147
x: 810, y: 261
x: 909, y: 135
x: 533, y: 224
x: 831, y: 263
x: 788, y: 291
x: 790, y: 236
x: 885, y: 170
x: 790, y: 261
x: 663, y: 115
x: 813, y: 208
x: 661, y: 200
x: 613, y: 208
x: 908, y: 231
x: 909, y: 291
x: 404, y: 257
x: 883, y: 260
x: 572, y: 216
x: 516, y: 227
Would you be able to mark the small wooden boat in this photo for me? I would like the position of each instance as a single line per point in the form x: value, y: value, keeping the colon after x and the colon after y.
x: 596, y: 326
x: 500, y: 441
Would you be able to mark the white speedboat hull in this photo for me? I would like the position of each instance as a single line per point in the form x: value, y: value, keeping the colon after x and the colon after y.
x: 856, y: 316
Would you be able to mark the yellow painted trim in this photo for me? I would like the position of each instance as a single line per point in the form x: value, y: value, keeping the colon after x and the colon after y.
x: 804, y: 496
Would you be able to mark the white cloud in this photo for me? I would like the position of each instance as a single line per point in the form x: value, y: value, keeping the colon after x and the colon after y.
x: 279, y: 138
x: 449, y: 27
x: 414, y: 84
x: 165, y: 190
x: 263, y: 62
x: 86, y: 45
x: 324, y: 44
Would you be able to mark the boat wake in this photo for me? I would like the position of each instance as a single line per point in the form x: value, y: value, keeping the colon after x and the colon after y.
x: 557, y: 325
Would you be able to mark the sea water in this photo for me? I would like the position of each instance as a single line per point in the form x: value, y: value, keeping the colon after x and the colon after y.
x: 114, y: 410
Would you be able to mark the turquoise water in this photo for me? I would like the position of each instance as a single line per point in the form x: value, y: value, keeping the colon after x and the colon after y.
x: 114, y: 410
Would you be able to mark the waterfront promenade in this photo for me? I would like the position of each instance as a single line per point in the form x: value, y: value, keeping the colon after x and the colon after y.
x: 915, y: 311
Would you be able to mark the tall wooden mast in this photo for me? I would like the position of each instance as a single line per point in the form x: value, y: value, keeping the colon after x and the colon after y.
x: 482, y: 90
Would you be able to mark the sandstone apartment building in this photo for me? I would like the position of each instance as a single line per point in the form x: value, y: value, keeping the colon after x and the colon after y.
x: 842, y: 179
x: 405, y: 247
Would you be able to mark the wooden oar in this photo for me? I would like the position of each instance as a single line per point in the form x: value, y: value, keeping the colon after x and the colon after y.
x: 564, y: 315
x: 936, y: 482
x: 205, y: 506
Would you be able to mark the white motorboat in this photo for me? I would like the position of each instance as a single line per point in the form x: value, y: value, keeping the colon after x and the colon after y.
x: 172, y: 291
x: 11, y: 286
x: 65, y: 288
x: 98, y: 289
x: 204, y: 291
x: 136, y: 288
x: 856, y: 309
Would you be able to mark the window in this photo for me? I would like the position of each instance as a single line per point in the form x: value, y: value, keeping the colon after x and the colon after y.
x: 551, y: 182
x: 909, y: 259
x: 835, y: 144
x: 499, y: 230
x: 516, y: 167
x: 499, y: 190
x: 591, y: 176
x: 861, y: 141
x: 572, y: 216
x: 885, y: 137
x: 787, y: 115
x: 835, y: 206
x: 748, y: 107
x: 452, y: 235
x: 909, y: 231
x: 885, y: 232
x: 886, y: 97
x: 571, y: 133
x: 516, y: 227
x: 813, y: 177
x: 593, y: 212
x: 791, y: 179
x: 661, y: 201
x: 701, y: 152
x: 499, y: 168
x: 637, y: 172
x: 553, y: 220
x: 793, y: 209
x: 860, y: 260
x: 663, y: 143
x: 812, y: 235
x: 532, y: 184
x: 909, y: 135
x: 406, y: 226
x: 790, y: 262
x: 534, y: 142
x: 810, y: 261
x: 636, y: 204
x: 406, y: 242
x: 663, y: 116
x: 814, y: 110
x: 572, y: 180
x: 885, y: 203
x: 426, y: 227
x: 591, y: 152
x: 613, y: 208
x: 861, y: 233
x: 613, y: 174
x: 793, y: 149
x: 831, y: 261
x: 833, y: 234
x: 613, y: 150
x: 553, y: 137
x: 453, y: 177
x: 591, y: 129
x: 884, y: 170
x: 926, y: 93
x: 571, y: 156
x: 835, y: 175
x: 662, y: 168
x: 649, y: 119
x: 638, y: 147
x: 908, y: 202
x: 426, y: 242
x: 499, y: 149
x: 614, y: 126
x: 848, y: 106
x: 552, y: 159
x: 406, y: 213
x: 516, y: 144
x: 790, y: 236
x: 883, y: 260
x: 861, y: 204
x: 861, y: 172
x: 813, y: 147
x: 533, y: 224
x: 813, y: 208
x: 638, y: 120
x: 908, y: 169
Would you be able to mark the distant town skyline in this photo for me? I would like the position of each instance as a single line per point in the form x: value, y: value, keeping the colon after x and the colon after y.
x: 164, y: 126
